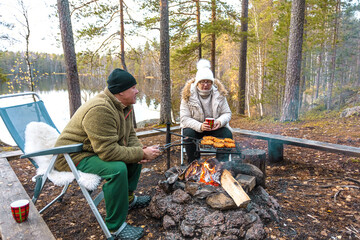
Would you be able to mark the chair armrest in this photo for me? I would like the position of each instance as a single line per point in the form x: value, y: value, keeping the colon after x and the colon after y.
x: 56, y: 150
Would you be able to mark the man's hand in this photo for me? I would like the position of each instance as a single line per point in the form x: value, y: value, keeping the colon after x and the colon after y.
x: 150, y: 153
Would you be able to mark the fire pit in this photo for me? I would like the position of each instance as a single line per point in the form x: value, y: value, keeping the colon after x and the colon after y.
x: 208, y: 200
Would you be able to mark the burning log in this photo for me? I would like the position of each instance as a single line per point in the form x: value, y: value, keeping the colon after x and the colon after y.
x: 210, y: 172
x: 234, y: 189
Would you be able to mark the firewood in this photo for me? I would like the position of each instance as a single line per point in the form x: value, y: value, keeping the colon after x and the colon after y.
x: 234, y: 189
x: 247, y: 182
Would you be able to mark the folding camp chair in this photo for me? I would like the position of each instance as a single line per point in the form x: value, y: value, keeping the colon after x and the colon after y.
x: 29, y: 124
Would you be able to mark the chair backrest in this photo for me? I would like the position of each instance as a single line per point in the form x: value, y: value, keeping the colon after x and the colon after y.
x: 17, y: 116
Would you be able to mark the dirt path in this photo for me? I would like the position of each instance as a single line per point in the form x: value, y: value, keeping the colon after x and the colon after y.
x: 318, y: 191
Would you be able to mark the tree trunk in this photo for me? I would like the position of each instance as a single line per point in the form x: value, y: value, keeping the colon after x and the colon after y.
x: 213, y: 37
x: 303, y: 73
x: 165, y: 109
x: 243, y: 52
x: 247, y: 93
x: 198, y: 28
x: 122, y: 36
x: 72, y: 76
x: 318, y: 75
x: 260, y: 78
x: 333, y: 58
x: 291, y: 99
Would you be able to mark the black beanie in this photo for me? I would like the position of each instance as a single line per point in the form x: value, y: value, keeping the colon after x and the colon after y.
x: 120, y: 80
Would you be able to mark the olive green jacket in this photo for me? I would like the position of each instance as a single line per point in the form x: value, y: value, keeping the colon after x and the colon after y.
x: 101, y: 126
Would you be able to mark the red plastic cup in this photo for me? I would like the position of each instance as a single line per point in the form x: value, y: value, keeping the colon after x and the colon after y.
x: 20, y: 210
x: 210, y: 121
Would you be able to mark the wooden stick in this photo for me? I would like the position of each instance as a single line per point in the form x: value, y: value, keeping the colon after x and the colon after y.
x: 353, y: 180
x: 234, y: 189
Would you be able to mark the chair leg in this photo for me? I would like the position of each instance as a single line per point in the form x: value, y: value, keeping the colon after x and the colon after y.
x: 88, y: 198
x: 96, y: 212
x: 59, y: 197
x: 98, y: 198
x: 37, y: 189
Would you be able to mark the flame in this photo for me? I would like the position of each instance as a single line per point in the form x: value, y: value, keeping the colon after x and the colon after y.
x: 206, y: 173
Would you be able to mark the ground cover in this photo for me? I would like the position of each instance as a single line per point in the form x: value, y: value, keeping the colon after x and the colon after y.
x: 318, y: 191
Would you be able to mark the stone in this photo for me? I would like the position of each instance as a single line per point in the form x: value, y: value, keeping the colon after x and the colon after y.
x: 191, y: 187
x: 235, y: 219
x: 174, y: 211
x: 256, y: 232
x: 180, y: 196
x: 186, y: 215
x: 204, y: 192
x: 247, y: 182
x: 172, y: 178
x: 354, y: 111
x: 245, y: 168
x: 187, y: 230
x: 214, y: 219
x: 195, y: 215
x: 173, y: 236
x: 179, y: 185
x: 165, y: 186
x: 220, y: 201
x: 158, y: 205
x: 168, y: 222
x: 171, y: 171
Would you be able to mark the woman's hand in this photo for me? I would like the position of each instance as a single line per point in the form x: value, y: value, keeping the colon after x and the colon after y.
x: 206, y: 127
x: 217, y: 125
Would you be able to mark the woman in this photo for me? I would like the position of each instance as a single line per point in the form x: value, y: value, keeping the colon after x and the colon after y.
x: 204, y: 97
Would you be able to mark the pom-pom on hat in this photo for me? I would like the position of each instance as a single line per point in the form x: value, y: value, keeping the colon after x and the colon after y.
x: 120, y: 80
x: 203, y: 71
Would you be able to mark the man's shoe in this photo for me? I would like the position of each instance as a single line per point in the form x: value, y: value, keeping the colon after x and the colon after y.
x: 140, y: 202
x: 128, y: 232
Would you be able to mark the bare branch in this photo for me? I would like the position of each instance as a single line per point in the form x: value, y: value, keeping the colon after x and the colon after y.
x: 81, y: 6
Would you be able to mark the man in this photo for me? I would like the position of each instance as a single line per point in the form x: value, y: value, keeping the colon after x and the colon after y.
x: 111, y: 150
x: 204, y: 97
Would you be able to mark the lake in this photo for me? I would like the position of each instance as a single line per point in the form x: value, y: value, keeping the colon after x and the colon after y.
x: 57, y: 104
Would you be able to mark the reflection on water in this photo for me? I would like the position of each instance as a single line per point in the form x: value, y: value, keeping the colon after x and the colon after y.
x: 52, y: 89
x: 57, y: 104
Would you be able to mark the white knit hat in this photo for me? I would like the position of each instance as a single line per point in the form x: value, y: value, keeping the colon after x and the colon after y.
x: 203, y: 71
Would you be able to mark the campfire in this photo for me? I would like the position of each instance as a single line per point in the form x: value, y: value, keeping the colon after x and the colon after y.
x: 209, y: 199
x: 208, y: 172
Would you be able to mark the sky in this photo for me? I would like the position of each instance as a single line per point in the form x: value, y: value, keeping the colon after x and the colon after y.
x: 44, y: 31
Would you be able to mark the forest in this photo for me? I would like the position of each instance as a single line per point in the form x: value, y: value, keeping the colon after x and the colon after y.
x: 290, y: 66
x: 330, y: 55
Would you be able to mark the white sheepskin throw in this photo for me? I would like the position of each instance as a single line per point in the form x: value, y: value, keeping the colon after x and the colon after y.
x: 40, y: 136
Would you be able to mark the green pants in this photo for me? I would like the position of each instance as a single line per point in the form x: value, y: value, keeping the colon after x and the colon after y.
x: 121, y: 178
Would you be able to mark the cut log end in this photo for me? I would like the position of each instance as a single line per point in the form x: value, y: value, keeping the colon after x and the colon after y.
x: 234, y: 189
